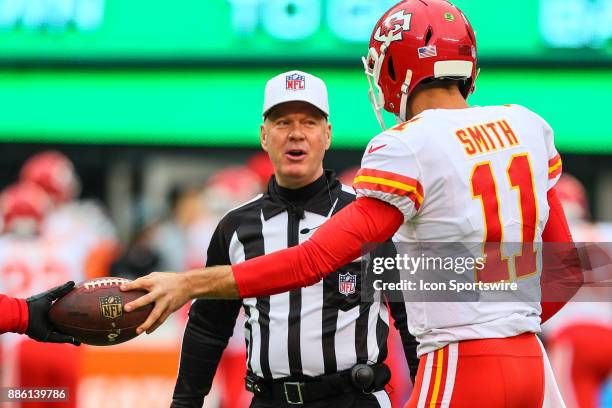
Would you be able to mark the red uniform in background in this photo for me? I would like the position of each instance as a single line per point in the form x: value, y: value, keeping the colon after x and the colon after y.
x: 31, y: 264
x: 13, y: 318
x: 579, y: 337
x: 81, y: 223
x: 50, y: 239
x: 225, y: 190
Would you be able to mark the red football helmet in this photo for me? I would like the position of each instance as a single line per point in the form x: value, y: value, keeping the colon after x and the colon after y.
x: 53, y: 172
x: 415, y: 41
x: 573, y: 196
x: 231, y: 187
x: 24, y: 201
x: 261, y: 164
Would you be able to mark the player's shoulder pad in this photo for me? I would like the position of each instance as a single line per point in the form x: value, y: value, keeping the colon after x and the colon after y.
x: 402, y: 139
x: 529, y: 114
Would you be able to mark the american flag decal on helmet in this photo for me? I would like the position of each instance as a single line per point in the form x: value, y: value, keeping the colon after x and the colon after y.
x: 428, y: 51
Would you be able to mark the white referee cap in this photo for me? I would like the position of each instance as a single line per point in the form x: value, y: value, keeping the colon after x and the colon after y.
x: 296, y: 86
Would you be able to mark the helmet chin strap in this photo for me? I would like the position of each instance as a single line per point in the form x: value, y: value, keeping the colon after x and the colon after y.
x: 404, y: 100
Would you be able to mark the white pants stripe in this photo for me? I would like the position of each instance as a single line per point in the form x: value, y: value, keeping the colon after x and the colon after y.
x: 426, y: 380
x: 451, y: 371
x: 552, y: 396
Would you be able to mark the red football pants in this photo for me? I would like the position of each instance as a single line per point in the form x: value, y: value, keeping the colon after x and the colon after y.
x: 232, y: 370
x: 492, y: 373
x: 49, y: 365
x: 581, y: 354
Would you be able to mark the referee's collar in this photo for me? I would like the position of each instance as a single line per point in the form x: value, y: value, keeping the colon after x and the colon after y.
x: 316, y: 197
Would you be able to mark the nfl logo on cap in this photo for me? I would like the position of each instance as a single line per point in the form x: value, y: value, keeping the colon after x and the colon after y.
x: 291, y: 86
x: 295, y: 82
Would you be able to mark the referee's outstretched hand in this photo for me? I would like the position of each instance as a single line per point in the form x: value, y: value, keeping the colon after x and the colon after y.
x: 168, y: 290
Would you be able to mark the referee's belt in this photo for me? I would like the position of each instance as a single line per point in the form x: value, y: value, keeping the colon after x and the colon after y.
x: 300, y: 390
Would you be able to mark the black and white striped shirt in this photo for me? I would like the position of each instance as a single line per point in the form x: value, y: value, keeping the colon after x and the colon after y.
x: 320, y: 329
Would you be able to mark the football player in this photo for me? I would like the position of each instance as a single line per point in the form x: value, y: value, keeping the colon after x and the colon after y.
x: 31, y: 263
x: 582, y: 370
x: 446, y: 172
x: 69, y: 217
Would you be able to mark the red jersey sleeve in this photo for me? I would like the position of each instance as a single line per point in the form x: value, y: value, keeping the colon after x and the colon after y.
x: 14, y: 315
x: 559, y: 281
x: 337, y: 242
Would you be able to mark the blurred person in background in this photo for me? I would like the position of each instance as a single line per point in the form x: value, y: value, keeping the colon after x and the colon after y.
x: 31, y: 263
x: 325, y: 320
x: 83, y: 222
x: 175, y: 242
x: 579, y: 337
x: 224, y: 191
x: 138, y: 257
x: 162, y: 243
x: 261, y: 165
x: 170, y: 237
x: 178, y: 243
x: 348, y: 175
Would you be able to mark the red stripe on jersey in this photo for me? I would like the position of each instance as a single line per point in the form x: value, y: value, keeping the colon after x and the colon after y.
x: 554, y: 160
x: 362, y: 185
x: 555, y: 173
x: 392, y: 177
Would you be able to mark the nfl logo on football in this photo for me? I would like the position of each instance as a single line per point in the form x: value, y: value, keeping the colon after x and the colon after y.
x: 111, y: 307
x: 347, y: 284
x: 295, y: 82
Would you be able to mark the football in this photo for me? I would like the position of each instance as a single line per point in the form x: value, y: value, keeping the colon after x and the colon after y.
x: 93, y: 312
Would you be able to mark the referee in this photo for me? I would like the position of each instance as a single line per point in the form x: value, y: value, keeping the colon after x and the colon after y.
x: 319, y: 346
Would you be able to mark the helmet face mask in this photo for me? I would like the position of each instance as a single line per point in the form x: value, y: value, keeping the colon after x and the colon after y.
x: 372, y: 65
x: 413, y: 42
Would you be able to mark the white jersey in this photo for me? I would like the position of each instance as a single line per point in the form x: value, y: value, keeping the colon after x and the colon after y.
x: 84, y: 221
x: 466, y: 175
x: 32, y: 265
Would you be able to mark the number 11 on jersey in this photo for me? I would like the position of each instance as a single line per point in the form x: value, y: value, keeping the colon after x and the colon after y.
x: 484, y: 188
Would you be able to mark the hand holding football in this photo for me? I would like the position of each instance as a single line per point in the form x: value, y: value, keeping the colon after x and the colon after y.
x: 93, y: 312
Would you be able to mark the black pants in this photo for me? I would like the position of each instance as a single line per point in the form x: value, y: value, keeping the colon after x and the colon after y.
x: 350, y: 400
